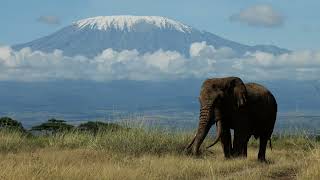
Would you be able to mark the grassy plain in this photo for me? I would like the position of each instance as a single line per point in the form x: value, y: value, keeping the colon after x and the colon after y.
x: 148, y: 154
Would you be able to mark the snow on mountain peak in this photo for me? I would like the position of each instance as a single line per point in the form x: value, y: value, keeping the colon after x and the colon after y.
x: 131, y: 23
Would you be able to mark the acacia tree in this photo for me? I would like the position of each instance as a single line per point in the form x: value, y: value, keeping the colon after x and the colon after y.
x: 53, y: 126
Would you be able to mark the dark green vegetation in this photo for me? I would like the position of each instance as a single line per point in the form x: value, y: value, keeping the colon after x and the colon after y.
x: 11, y: 124
x: 53, y: 126
x: 96, y: 126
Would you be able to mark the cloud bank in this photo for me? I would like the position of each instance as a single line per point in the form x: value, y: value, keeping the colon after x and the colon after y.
x: 49, y: 20
x: 204, y: 61
x: 261, y: 15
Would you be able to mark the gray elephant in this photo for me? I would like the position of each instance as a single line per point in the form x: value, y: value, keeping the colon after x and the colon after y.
x: 248, y: 109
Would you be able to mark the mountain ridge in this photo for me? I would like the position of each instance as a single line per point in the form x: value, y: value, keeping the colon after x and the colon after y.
x: 90, y: 36
x: 130, y: 23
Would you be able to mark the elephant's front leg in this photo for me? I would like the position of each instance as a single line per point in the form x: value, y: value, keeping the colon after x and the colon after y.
x: 244, y: 151
x: 241, y: 133
x: 226, y: 142
x: 236, y: 144
x: 240, y: 143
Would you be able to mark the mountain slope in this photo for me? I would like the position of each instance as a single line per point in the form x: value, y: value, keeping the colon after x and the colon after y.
x: 91, y: 36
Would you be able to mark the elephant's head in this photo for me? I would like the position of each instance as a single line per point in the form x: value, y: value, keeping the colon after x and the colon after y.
x: 217, y: 96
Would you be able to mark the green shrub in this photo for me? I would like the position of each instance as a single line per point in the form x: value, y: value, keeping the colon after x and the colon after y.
x: 53, y: 126
x: 97, y: 126
x: 11, y: 124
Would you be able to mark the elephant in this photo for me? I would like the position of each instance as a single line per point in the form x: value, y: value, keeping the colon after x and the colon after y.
x: 249, y: 109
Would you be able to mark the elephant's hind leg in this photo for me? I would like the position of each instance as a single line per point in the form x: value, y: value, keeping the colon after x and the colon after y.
x: 262, y: 149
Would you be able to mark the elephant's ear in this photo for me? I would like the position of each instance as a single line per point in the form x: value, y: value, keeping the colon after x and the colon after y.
x: 239, y: 92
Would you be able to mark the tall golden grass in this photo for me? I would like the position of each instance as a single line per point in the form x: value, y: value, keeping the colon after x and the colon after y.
x: 152, y: 154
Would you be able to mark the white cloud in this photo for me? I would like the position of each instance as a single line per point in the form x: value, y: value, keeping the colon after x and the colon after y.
x: 297, y: 65
x: 259, y: 15
x: 49, y: 20
x: 5, y: 52
x: 205, y: 61
x: 201, y: 49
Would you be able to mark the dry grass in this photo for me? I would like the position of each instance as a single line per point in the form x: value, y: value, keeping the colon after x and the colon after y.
x: 138, y: 154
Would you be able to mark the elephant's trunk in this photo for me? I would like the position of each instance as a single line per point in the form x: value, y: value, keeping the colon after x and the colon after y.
x: 203, y: 129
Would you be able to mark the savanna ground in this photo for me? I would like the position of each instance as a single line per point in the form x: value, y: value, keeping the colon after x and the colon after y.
x: 148, y: 154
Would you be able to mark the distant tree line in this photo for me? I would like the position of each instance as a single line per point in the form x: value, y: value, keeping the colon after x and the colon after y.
x: 53, y: 126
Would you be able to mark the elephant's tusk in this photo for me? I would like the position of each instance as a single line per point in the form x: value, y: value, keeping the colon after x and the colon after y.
x: 218, y: 134
x: 190, y: 144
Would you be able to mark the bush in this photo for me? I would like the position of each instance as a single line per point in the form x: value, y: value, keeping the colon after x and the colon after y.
x: 53, y: 126
x: 96, y: 126
x: 11, y: 124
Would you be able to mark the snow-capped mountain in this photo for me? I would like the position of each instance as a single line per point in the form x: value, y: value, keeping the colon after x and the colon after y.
x: 132, y: 23
x: 91, y: 36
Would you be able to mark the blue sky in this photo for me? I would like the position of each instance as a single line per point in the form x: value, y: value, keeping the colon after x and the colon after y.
x: 299, y: 27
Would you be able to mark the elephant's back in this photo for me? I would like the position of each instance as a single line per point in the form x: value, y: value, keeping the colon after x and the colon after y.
x: 259, y: 96
x: 257, y: 89
x: 258, y: 93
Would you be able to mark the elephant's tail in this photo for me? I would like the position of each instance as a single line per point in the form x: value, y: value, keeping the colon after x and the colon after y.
x: 270, y: 144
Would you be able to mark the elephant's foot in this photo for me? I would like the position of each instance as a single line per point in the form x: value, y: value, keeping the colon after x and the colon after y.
x: 196, y: 152
x: 237, y: 154
x: 187, y: 151
x: 227, y: 156
x: 240, y: 156
x: 262, y: 159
